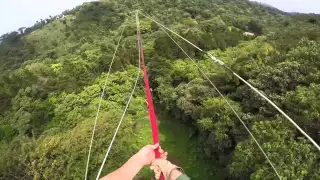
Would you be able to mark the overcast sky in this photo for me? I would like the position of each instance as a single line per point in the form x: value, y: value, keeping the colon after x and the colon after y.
x: 303, y: 6
x: 24, y: 13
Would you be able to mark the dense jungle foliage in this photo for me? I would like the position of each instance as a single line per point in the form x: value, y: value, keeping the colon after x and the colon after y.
x: 52, y: 75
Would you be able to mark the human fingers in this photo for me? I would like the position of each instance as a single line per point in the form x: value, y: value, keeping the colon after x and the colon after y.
x: 164, y: 155
x: 155, y: 146
x: 157, y: 174
x: 161, y: 151
x: 157, y: 170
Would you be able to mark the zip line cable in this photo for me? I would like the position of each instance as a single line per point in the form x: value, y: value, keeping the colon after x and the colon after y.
x: 101, y: 97
x: 173, y: 32
x: 122, y: 117
x: 234, y: 111
x: 221, y: 63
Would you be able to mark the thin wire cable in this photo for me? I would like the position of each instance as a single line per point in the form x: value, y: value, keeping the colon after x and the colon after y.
x: 234, y: 111
x: 122, y: 117
x: 221, y: 63
x: 172, y: 32
x: 276, y: 107
x: 101, y: 97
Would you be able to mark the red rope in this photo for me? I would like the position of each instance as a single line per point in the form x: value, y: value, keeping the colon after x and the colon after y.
x: 153, y: 119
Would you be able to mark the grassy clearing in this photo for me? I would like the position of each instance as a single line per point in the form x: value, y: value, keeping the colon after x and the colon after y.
x: 183, y: 150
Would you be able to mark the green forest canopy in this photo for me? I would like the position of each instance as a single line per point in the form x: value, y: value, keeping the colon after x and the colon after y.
x: 52, y: 74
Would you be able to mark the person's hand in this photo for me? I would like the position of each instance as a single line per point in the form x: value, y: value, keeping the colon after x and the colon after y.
x: 169, y: 170
x: 146, y: 155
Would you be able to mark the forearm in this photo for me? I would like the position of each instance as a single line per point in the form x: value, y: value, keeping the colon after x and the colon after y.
x: 126, y: 172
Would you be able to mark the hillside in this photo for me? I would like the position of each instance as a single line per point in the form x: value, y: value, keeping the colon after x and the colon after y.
x: 52, y: 75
